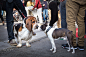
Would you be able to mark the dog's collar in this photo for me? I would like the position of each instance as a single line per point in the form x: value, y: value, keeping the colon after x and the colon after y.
x: 48, y: 29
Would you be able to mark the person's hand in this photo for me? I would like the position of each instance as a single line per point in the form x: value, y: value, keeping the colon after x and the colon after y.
x: 32, y: 9
x: 43, y: 4
x: 61, y: 0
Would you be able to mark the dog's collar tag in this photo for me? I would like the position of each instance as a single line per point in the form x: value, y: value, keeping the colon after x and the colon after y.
x: 48, y: 29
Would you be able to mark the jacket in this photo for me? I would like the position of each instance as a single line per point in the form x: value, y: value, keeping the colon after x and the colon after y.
x: 37, y: 4
x: 9, y: 1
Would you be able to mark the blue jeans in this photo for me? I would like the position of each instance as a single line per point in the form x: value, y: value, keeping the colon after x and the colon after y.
x: 2, y: 12
x: 45, y: 12
x: 63, y: 14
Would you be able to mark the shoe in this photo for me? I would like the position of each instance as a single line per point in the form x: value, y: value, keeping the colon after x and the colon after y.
x: 13, y: 42
x: 81, y: 48
x: 66, y: 46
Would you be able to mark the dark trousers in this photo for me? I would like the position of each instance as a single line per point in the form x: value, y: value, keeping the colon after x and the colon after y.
x: 63, y: 14
x: 85, y: 21
x: 1, y: 12
x: 54, y: 12
x: 9, y: 15
x: 1, y: 16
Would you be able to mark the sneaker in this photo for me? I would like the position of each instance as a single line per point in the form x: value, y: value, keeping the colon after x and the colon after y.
x: 66, y: 46
x: 81, y: 48
x: 13, y: 42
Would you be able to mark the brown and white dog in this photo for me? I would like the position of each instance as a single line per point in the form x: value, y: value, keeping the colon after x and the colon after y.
x: 23, y: 31
x: 55, y: 33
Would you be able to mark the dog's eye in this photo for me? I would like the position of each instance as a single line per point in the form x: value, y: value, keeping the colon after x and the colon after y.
x: 33, y: 22
x: 27, y: 24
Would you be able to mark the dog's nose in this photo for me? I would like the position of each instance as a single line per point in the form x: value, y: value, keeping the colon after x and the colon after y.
x: 37, y: 26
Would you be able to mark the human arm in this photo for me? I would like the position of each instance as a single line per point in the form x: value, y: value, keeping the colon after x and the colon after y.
x: 36, y: 3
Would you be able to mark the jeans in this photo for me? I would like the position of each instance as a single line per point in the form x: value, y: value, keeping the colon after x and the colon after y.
x: 2, y: 12
x: 45, y: 12
x: 9, y: 16
x: 63, y: 14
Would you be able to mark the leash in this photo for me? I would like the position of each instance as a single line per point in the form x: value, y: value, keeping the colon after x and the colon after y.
x: 20, y: 10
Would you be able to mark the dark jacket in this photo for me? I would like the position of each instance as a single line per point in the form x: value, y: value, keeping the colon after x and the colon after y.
x: 46, y: 5
x: 10, y: 1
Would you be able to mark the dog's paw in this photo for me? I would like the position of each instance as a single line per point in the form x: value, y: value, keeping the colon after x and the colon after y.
x: 28, y: 45
x: 73, y: 52
x: 54, y: 51
x: 51, y: 49
x: 19, y: 45
x: 68, y: 50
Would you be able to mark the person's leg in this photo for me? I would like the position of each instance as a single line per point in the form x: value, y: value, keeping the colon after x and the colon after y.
x: 54, y: 13
x: 44, y: 14
x: 1, y: 16
x: 63, y: 14
x: 9, y: 20
x: 2, y: 12
x: 39, y: 12
x: 71, y: 15
x: 53, y: 18
x: 81, y: 25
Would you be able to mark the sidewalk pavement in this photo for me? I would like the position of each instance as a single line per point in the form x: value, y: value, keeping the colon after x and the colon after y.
x: 4, y: 37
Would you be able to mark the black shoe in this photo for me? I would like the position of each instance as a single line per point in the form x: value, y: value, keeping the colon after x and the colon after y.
x: 66, y: 46
x: 81, y: 48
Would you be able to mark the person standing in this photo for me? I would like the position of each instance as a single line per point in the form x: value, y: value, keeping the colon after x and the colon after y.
x: 45, y: 10
x: 10, y: 4
x: 75, y: 12
x: 39, y: 10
